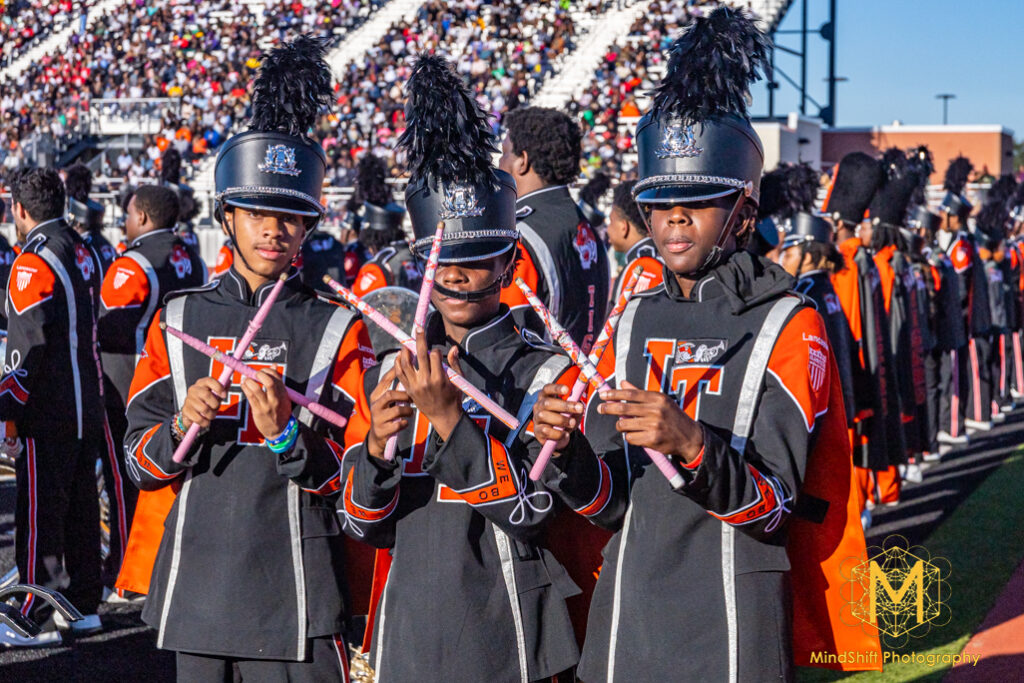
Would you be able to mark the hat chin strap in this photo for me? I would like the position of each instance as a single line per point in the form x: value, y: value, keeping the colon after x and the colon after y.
x: 714, y: 256
x: 478, y: 295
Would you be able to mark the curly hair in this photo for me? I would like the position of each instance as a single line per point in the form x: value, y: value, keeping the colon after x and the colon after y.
x: 551, y: 140
x: 41, y: 192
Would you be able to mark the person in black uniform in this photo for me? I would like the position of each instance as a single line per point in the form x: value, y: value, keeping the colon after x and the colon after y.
x: 730, y: 377
x: 563, y: 259
x: 628, y: 236
x: 878, y: 443
x: 170, y: 176
x: 810, y: 255
x: 391, y: 262
x: 455, y: 506
x: 86, y: 215
x: 249, y: 578
x: 51, y: 398
x: 7, y: 256
x: 955, y: 239
x: 156, y: 263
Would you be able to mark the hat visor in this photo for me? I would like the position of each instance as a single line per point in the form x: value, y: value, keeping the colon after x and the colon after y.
x: 465, y: 251
x: 683, y: 193
x: 292, y: 205
x: 793, y: 241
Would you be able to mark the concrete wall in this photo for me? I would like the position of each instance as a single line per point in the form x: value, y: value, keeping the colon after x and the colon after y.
x: 792, y: 140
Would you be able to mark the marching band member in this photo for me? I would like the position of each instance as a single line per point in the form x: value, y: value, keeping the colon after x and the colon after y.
x: 730, y: 376
x: 471, y: 594
x: 249, y: 575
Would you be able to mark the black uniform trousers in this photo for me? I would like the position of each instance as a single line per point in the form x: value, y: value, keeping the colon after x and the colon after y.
x: 1002, y: 368
x: 326, y: 661
x: 57, y: 521
x: 121, y: 494
x: 979, y: 363
x: 946, y: 378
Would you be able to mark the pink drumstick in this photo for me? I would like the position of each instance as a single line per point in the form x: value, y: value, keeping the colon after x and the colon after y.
x: 225, y: 376
x: 422, y: 306
x: 559, y: 334
x: 595, y: 356
x: 234, y: 365
x: 405, y: 340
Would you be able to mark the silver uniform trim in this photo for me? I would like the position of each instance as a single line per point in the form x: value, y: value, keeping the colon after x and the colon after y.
x: 449, y: 237
x: 547, y: 266
x: 172, y: 576
x: 753, y: 378
x: 688, y: 179
x: 746, y: 407
x: 508, y: 572
x: 613, y: 638
x: 154, y: 299
x: 323, y: 361
x: 174, y: 314
x: 65, y: 280
x: 547, y: 373
x: 234, y: 192
x: 729, y: 590
x: 295, y: 529
x: 378, y: 661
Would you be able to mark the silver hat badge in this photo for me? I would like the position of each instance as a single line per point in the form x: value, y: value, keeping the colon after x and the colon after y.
x: 459, y: 201
x: 677, y: 142
x: 280, y: 159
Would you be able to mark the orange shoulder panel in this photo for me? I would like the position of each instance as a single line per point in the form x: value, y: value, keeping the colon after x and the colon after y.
x: 800, y: 362
x: 32, y: 282
x: 125, y: 285
x: 370, y: 277
x: 512, y: 296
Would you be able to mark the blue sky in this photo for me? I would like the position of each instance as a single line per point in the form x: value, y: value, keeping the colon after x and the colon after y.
x: 898, y: 54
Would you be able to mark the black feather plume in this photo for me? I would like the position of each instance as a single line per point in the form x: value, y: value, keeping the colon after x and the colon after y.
x: 78, y: 182
x: 293, y: 86
x: 1002, y: 190
x: 170, y: 166
x: 894, y: 163
x: 1018, y: 197
x: 956, y: 175
x: 801, y: 189
x: 447, y: 135
x: 595, y: 189
x: 371, y: 174
x: 711, y: 66
x: 919, y: 161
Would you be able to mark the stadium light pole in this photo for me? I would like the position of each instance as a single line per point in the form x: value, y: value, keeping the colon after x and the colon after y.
x: 945, y: 97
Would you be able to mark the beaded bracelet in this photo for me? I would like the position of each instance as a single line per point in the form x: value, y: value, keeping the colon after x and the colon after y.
x: 284, y: 442
x: 178, y: 427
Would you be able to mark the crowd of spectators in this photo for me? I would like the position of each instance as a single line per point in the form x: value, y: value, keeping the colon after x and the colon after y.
x: 618, y: 93
x: 201, y: 53
x: 505, y: 49
x: 23, y: 23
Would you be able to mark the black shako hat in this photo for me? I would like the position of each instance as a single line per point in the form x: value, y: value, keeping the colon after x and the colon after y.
x: 923, y: 217
x: 900, y: 181
x: 450, y: 145
x: 275, y: 165
x: 387, y: 217
x: 807, y: 227
x: 855, y: 180
x: 697, y: 143
x: 954, y: 201
x: 81, y: 209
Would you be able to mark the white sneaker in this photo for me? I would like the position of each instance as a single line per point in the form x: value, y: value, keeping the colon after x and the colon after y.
x: 865, y: 519
x: 869, y: 504
x: 1016, y: 394
x: 998, y: 418
x: 113, y: 597
x: 932, y: 457
x: 946, y: 438
x: 977, y: 425
x: 9, y: 638
x: 83, y: 627
x: 1008, y: 408
x: 913, y: 473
